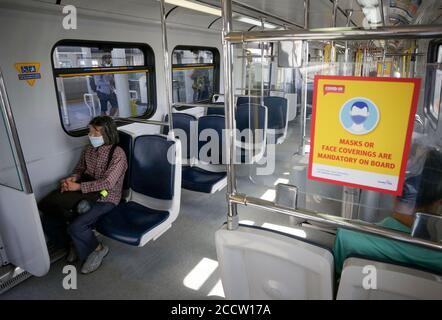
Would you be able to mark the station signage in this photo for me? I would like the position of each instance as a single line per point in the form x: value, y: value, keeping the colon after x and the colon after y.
x: 361, y: 131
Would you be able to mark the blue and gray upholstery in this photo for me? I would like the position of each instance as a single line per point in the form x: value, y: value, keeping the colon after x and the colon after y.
x: 208, y: 174
x: 216, y: 110
x: 251, y: 123
x: 155, y: 192
x: 246, y: 99
x: 278, y: 119
x: 126, y: 144
x: 185, y: 129
x: 277, y: 115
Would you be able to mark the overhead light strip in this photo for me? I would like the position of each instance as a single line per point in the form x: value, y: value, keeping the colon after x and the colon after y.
x: 195, y: 6
x: 216, y: 12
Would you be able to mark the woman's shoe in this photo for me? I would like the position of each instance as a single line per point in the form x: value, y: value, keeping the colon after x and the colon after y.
x: 94, y: 260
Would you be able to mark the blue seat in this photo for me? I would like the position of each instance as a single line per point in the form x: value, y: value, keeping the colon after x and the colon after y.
x: 154, y: 200
x: 216, y: 110
x: 200, y: 180
x: 126, y: 144
x: 209, y: 174
x: 129, y: 221
x: 277, y: 117
x: 251, y: 117
x: 183, y: 121
x: 246, y: 99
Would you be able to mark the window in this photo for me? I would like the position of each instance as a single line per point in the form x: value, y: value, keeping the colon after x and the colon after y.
x: 195, y: 74
x: 94, y: 78
x: 433, y: 83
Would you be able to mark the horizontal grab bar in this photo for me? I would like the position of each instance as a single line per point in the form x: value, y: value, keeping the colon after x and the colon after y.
x: 332, y: 220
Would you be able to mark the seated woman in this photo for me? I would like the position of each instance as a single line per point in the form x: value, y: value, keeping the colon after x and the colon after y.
x: 422, y: 193
x: 105, y: 164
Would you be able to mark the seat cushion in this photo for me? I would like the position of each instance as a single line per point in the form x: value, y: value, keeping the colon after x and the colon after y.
x: 129, y: 222
x: 197, y: 179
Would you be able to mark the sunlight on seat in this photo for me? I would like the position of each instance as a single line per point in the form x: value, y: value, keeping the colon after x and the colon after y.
x: 289, y: 230
x: 269, y: 195
x: 217, y: 290
x: 286, y: 173
x: 247, y: 222
x: 199, y: 275
x: 281, y: 180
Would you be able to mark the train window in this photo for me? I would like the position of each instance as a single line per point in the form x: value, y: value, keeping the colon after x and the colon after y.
x: 433, y: 87
x: 435, y: 106
x: 94, y: 78
x: 195, y: 74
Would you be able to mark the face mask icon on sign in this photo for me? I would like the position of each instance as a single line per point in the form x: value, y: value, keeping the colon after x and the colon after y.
x: 359, y: 116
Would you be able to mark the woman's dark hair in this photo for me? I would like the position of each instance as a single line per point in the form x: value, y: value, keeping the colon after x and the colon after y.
x: 109, y: 129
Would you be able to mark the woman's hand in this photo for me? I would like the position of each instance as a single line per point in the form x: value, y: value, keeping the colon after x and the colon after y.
x: 72, y: 186
x: 64, y: 183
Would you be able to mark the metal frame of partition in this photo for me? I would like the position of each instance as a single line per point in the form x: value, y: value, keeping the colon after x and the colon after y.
x: 229, y: 38
x: 19, y: 158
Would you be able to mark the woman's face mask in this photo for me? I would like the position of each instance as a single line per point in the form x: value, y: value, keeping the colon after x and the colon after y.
x: 95, y: 136
x: 96, y: 141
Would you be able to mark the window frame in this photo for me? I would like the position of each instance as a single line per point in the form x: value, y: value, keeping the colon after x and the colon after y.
x: 216, y: 66
x: 434, y: 49
x: 149, y: 63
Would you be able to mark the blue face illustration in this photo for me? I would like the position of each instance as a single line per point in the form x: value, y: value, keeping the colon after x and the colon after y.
x: 359, y: 112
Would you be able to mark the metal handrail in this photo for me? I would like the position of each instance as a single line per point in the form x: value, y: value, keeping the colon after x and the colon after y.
x: 382, y: 33
x: 331, y: 220
x: 197, y: 105
x: 145, y: 121
x: 12, y: 132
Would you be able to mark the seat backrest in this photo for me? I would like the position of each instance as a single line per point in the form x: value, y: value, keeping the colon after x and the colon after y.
x: 363, y: 279
x: 247, y: 115
x: 152, y: 174
x: 252, y: 117
x: 215, y: 110
x: 184, y: 121
x: 277, y: 112
x: 126, y: 144
x: 246, y: 99
x: 260, y: 264
x: 209, y: 128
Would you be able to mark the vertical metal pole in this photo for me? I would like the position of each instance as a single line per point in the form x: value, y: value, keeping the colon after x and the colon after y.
x: 232, y: 213
x: 304, y: 81
x: 335, y: 22
x: 262, y: 63
x: 348, y: 194
x: 167, y: 69
x: 306, y: 9
x: 347, y: 49
x: 416, y: 52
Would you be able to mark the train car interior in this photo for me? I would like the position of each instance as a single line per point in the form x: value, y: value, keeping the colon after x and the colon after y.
x: 261, y: 150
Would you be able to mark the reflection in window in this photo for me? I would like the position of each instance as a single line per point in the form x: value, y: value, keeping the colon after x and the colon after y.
x: 103, y: 80
x: 195, y: 74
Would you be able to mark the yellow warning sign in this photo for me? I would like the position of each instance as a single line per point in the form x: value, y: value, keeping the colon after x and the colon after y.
x: 28, y: 71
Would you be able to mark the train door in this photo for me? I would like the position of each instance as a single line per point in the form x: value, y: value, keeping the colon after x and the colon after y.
x: 22, y: 240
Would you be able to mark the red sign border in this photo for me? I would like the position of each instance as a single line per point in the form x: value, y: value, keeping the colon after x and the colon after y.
x: 417, y: 84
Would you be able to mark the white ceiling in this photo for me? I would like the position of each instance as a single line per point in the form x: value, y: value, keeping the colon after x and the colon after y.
x: 289, y: 10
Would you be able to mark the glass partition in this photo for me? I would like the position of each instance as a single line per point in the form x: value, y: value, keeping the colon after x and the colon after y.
x: 284, y: 162
x: 9, y: 172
